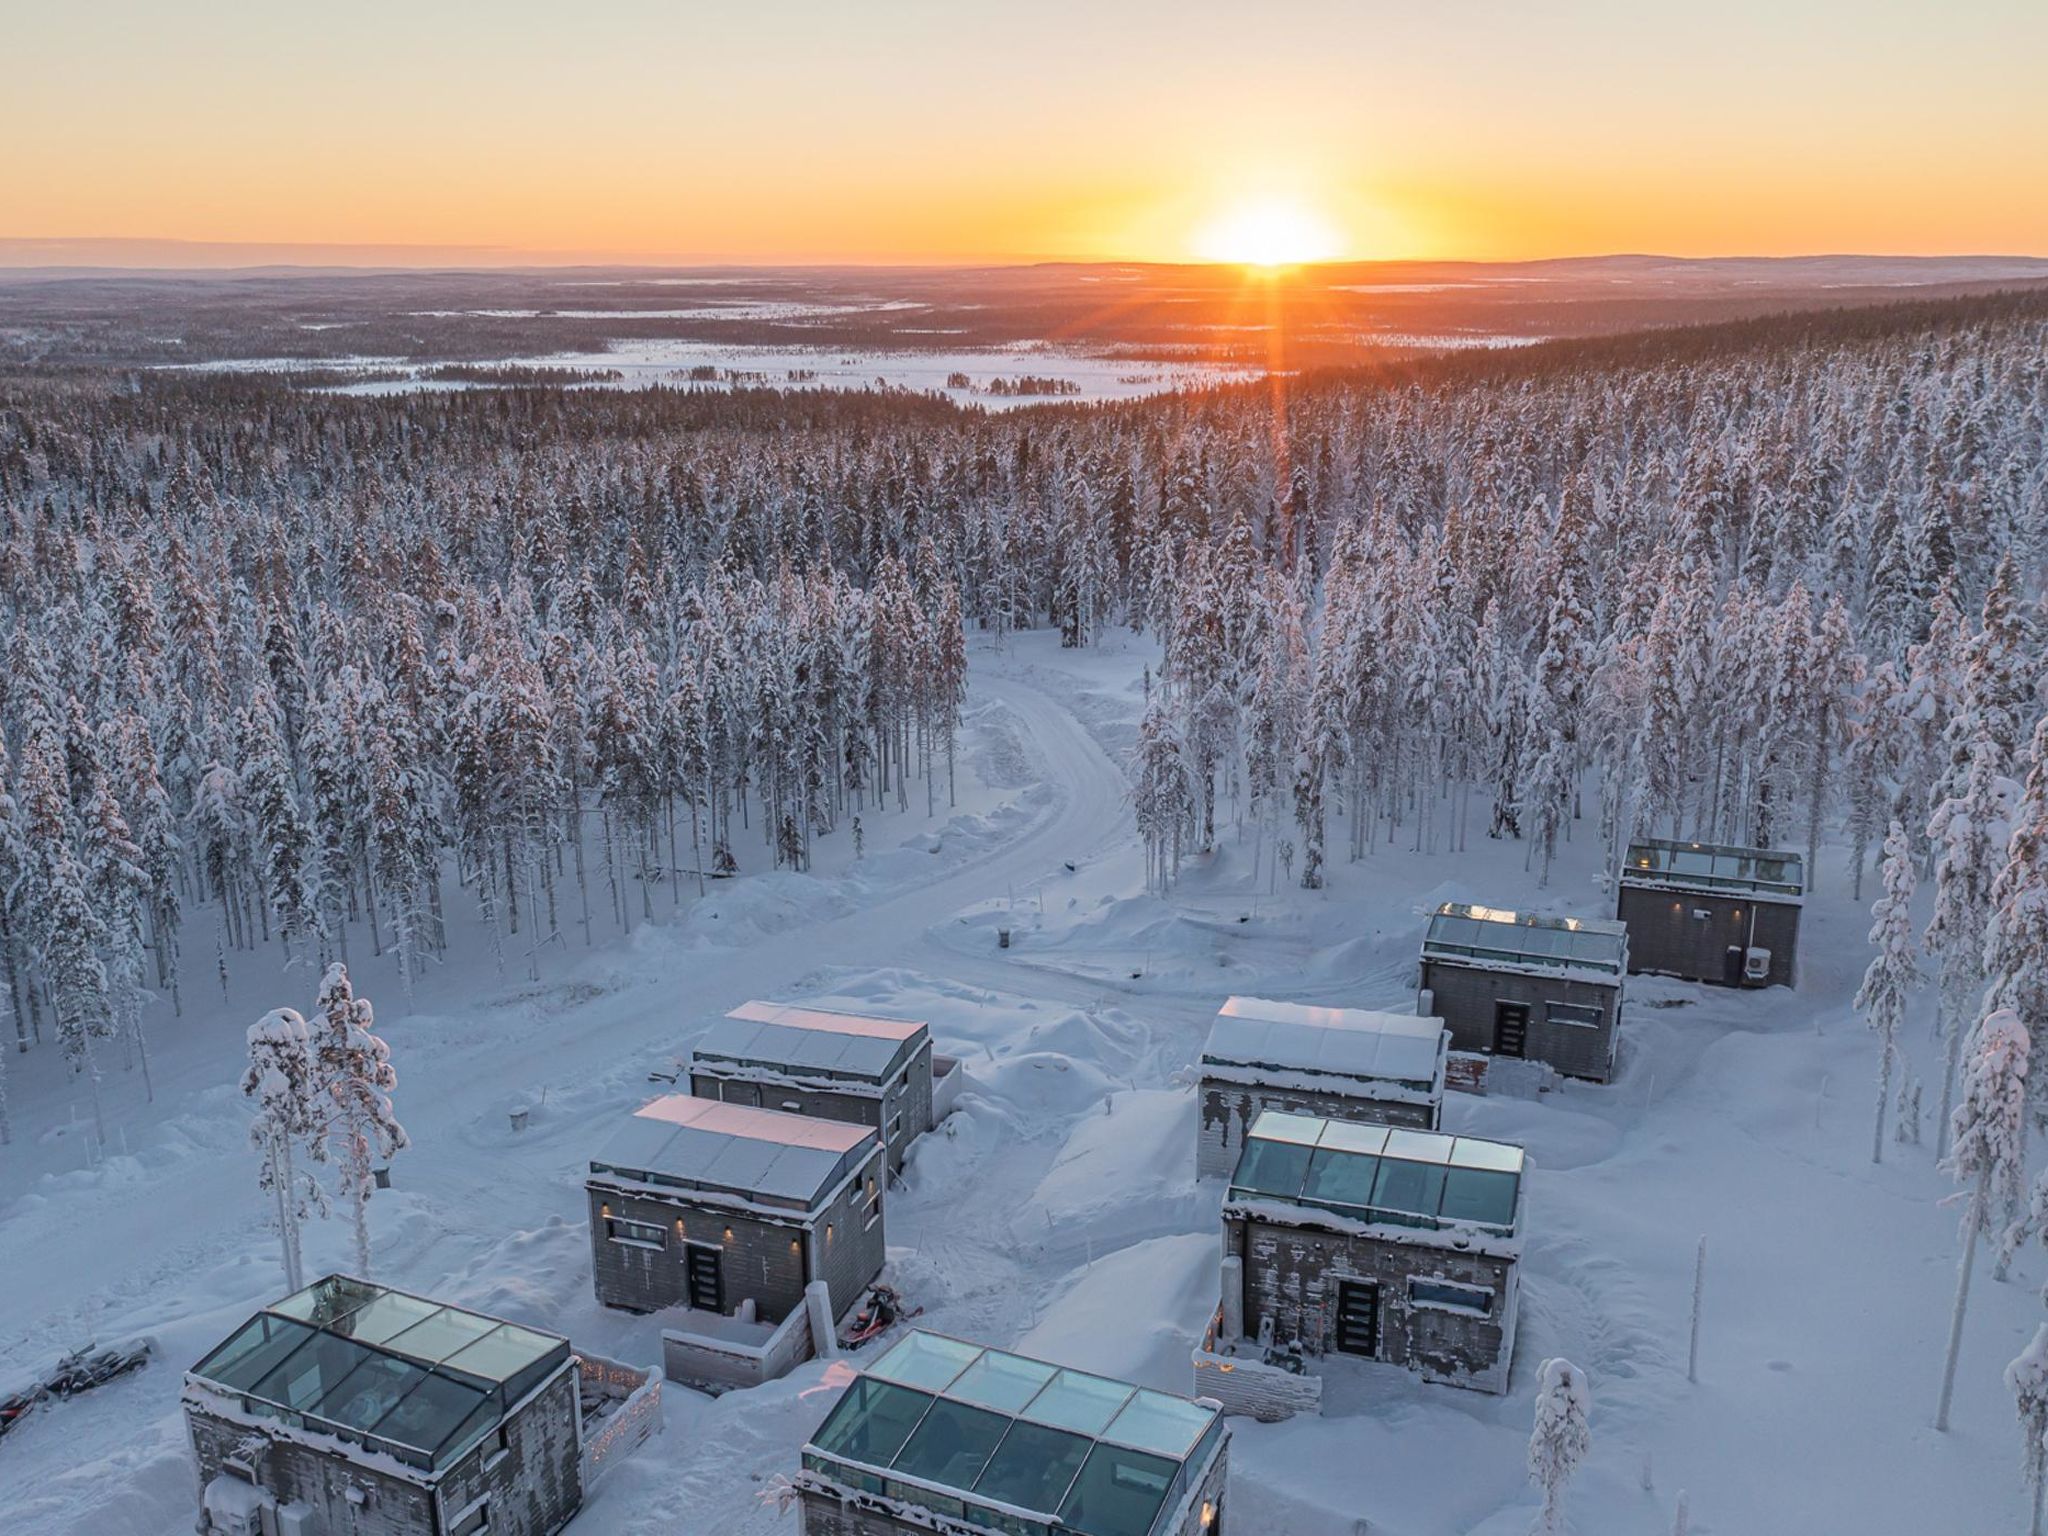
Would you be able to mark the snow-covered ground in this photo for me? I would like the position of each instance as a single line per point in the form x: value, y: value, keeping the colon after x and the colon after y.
x: 1056, y: 1211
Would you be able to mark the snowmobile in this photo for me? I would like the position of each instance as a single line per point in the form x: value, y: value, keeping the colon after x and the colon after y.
x: 881, y: 1312
x: 80, y: 1371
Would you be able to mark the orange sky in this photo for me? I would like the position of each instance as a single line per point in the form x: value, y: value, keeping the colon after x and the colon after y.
x: 921, y: 131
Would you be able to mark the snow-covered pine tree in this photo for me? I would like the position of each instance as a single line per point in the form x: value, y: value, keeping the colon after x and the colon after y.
x: 352, y: 1071
x: 77, y: 977
x: 2027, y: 1377
x: 1561, y: 1437
x: 1969, y: 831
x: 1894, y: 971
x: 289, y: 1121
x: 1987, y: 1156
x: 116, y: 883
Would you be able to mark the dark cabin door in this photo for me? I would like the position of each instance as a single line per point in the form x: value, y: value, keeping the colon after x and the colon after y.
x: 1358, y: 1318
x: 704, y: 1276
x: 1510, y: 1029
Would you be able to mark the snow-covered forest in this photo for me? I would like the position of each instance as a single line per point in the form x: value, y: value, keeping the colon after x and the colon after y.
x: 486, y: 681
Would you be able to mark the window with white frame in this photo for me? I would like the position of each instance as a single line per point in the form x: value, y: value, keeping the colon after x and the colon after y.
x: 1451, y: 1296
x: 635, y: 1234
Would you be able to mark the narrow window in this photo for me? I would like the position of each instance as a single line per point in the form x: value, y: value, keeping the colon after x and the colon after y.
x: 1449, y: 1296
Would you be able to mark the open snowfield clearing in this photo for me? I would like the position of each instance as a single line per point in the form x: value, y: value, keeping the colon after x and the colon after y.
x: 1056, y: 1210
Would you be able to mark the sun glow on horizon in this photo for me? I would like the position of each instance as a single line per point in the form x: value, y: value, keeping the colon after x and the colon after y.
x: 1269, y: 234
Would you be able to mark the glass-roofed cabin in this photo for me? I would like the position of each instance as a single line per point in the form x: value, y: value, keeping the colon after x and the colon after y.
x: 1714, y: 913
x: 1374, y: 1243
x: 1346, y: 1063
x: 1526, y: 985
x: 807, y: 1060
x: 941, y: 1435
x: 350, y: 1407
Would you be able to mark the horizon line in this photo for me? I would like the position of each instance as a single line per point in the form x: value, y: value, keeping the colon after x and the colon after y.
x: 18, y: 255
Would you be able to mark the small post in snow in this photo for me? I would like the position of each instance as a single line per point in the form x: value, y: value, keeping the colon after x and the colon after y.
x: 1699, y: 1282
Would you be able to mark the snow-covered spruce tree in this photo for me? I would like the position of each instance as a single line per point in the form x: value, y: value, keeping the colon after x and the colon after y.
x: 77, y: 976
x: 1894, y: 971
x: 1969, y: 830
x: 289, y: 1121
x: 2027, y: 1377
x: 352, y: 1072
x: 1987, y: 1155
x: 1162, y: 795
x: 116, y: 882
x: 2016, y: 937
x: 1561, y: 1438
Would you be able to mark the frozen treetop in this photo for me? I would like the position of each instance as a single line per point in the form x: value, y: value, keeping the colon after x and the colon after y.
x: 1378, y: 1173
x: 819, y: 1041
x: 1356, y: 1043
x: 1025, y: 1445
x: 685, y: 1143
x: 1495, y: 936
x: 1715, y: 868
x: 414, y: 1378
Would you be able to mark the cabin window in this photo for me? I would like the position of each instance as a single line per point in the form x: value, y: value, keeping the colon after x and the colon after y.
x: 895, y: 1126
x: 476, y: 1523
x: 1449, y: 1296
x: 635, y: 1234
x: 1582, y: 1014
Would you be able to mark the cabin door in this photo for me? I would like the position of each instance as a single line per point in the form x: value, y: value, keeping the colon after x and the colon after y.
x: 1358, y: 1318
x: 1510, y: 1029
x: 704, y: 1277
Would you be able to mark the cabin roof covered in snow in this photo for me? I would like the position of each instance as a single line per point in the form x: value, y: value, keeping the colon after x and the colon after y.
x: 688, y: 1143
x: 1379, y: 1173
x: 947, y: 1419
x: 1494, y: 936
x: 803, y: 1039
x: 1713, y: 868
x: 393, y: 1372
x: 1331, y: 1042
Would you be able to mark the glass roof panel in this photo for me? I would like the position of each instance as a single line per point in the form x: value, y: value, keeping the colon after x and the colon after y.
x: 1002, y: 1382
x: 1413, y: 1189
x: 1470, y: 1152
x: 433, y: 1411
x: 1344, y: 1136
x: 925, y: 1360
x: 1118, y: 1493
x: 326, y: 1301
x: 952, y: 1444
x: 1480, y: 1195
x: 1278, y: 1125
x: 1271, y: 1168
x: 1154, y: 1421
x: 436, y: 1337
x: 1340, y: 1178
x: 1080, y: 1402
x: 1033, y: 1467
x: 1418, y: 1146
x: 253, y: 1351
x: 369, y: 1391
x: 872, y: 1421
x: 502, y: 1353
x: 309, y: 1372
x: 379, y: 1318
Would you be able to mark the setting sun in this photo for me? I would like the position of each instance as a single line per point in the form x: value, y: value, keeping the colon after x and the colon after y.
x: 1269, y: 234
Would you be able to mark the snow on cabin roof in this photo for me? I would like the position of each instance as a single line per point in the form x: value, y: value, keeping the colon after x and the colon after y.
x: 689, y: 1143
x: 801, y: 1039
x: 1334, y: 1042
x: 394, y: 1372
x: 1041, y: 1447
x: 1459, y: 931
x: 1772, y: 873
